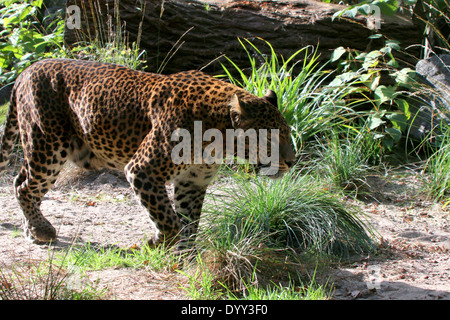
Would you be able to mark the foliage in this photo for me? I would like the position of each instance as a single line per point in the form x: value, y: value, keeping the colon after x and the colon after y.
x: 291, y: 291
x: 24, y: 39
x: 3, y: 112
x: 365, y: 7
x: 430, y: 15
x: 317, y: 102
x: 202, y: 283
x: 307, y: 104
x: 111, y: 43
x: 116, y: 50
x: 388, y: 116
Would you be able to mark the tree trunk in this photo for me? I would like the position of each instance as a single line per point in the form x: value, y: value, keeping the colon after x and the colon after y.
x: 182, y: 35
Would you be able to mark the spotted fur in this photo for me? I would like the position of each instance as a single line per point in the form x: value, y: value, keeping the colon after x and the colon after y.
x: 104, y: 115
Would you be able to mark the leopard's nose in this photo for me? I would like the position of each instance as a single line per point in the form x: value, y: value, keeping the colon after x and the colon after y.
x: 290, y: 163
x: 288, y: 154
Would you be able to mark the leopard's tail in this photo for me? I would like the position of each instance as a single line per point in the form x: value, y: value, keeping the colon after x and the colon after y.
x: 10, y: 133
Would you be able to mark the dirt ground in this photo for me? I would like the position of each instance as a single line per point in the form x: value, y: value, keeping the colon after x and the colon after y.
x: 413, y: 260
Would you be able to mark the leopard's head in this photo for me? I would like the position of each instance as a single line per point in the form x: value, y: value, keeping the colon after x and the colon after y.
x: 260, y: 115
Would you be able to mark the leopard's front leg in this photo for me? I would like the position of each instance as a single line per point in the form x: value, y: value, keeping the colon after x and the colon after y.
x: 153, y: 196
x: 148, y: 172
x: 190, y: 189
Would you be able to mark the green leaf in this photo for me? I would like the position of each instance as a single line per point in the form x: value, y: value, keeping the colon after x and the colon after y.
x: 371, y: 80
x: 403, y: 106
x: 404, y: 76
x: 3, y: 63
x: 350, y: 12
x: 371, y: 59
x: 398, y: 120
x: 348, y: 76
x: 374, y: 122
x: 37, y: 3
x: 336, y: 82
x: 337, y: 54
x: 388, y: 142
x: 9, y: 20
x: 361, y: 56
x: 343, y: 78
x: 376, y: 36
x: 393, y: 44
x: 392, y: 63
x: 383, y: 93
x: 25, y: 12
x: 26, y: 56
x: 10, y: 48
x: 40, y: 47
x: 387, y: 7
x: 395, y: 133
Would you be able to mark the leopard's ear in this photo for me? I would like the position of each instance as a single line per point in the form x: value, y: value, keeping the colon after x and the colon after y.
x: 236, y: 111
x: 271, y: 96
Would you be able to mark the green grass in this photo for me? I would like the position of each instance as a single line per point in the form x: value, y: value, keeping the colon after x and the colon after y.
x: 46, y: 280
x: 203, y: 284
x: 346, y: 158
x: 291, y: 291
x: 436, y: 172
x: 295, y: 211
x: 89, y: 257
x: 272, y: 224
x: 114, y: 51
x: 3, y: 112
x: 202, y: 279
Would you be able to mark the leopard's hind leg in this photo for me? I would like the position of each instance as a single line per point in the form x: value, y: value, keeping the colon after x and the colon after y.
x: 44, y: 158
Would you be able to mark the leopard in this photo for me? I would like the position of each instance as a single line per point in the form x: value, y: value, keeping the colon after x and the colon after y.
x: 103, y: 115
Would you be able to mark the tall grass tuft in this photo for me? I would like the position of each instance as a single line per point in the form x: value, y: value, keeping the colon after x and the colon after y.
x: 110, y: 42
x: 248, y: 221
x: 345, y: 158
x: 437, y: 170
x: 308, y: 104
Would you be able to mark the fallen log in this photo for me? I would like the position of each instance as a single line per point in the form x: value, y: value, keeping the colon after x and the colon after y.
x: 196, y: 34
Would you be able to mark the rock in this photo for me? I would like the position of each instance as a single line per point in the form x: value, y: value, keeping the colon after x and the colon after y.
x: 434, y: 105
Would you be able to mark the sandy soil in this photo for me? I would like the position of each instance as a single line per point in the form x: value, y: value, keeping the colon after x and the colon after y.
x: 413, y: 261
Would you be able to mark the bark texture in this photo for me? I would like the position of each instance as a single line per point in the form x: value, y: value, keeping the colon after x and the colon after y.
x: 194, y: 34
